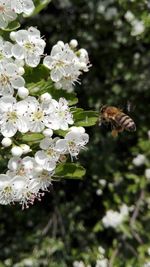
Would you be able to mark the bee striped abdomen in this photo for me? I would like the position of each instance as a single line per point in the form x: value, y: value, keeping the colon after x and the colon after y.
x: 125, y: 121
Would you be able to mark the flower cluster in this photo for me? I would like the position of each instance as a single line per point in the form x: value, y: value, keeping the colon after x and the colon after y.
x: 30, y: 169
x: 66, y: 64
x: 114, y: 218
x: 28, y: 177
x: 10, y: 8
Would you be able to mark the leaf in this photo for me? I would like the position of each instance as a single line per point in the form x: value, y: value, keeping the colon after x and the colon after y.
x: 70, y: 171
x: 86, y: 118
x: 39, y: 6
x: 60, y: 132
x: 12, y: 26
x: 32, y: 137
x: 34, y: 75
x: 47, y: 86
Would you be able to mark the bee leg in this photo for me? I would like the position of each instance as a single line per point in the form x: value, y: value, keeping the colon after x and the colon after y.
x: 114, y: 133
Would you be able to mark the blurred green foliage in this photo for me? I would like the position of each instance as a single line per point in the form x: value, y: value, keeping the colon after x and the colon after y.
x: 67, y: 225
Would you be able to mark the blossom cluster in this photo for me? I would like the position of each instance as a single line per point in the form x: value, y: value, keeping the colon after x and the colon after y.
x: 114, y: 218
x: 31, y: 170
x: 66, y: 64
x: 9, y: 9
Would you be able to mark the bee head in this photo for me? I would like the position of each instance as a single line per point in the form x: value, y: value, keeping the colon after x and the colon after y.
x: 103, y: 108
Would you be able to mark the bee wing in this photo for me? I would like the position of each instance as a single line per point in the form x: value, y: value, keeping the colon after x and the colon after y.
x: 130, y: 106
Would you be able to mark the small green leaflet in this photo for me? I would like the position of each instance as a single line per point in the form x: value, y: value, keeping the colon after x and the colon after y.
x: 39, y: 6
x: 12, y: 26
x: 85, y: 118
x: 69, y: 171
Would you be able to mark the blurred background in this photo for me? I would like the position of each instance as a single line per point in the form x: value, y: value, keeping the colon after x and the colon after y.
x: 104, y: 220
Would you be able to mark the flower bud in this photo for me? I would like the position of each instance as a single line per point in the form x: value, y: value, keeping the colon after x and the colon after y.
x: 45, y: 97
x: 61, y: 43
x: 48, y: 132
x: 21, y: 70
x: 17, y: 151
x: 26, y: 149
x: 77, y: 129
x: 12, y: 36
x: 23, y: 92
x: 6, y: 142
x: 147, y: 174
x: 73, y: 43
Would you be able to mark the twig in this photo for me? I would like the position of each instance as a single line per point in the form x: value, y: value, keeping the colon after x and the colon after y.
x: 113, y: 256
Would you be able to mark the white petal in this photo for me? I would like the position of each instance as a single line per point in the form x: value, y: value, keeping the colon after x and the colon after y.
x: 40, y: 157
x: 28, y: 7
x: 45, y: 143
x: 17, y: 82
x: 61, y: 145
x: 18, y: 51
x: 23, y: 125
x: 56, y: 74
x: 8, y: 129
x: 49, y: 62
x: 21, y: 37
x: 32, y: 60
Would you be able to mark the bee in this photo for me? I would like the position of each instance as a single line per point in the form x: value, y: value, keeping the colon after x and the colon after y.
x: 118, y: 119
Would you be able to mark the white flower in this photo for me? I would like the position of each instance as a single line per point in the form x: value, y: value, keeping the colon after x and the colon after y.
x: 5, y: 49
x: 48, y: 156
x: 10, y: 78
x: 43, y: 180
x: 112, y: 219
x: 78, y: 264
x: 26, y: 167
x: 29, y: 46
x: 7, y: 13
x: 102, y: 263
x: 61, y: 117
x: 101, y: 250
x: 38, y: 114
x: 137, y: 27
x: 139, y: 160
x: 66, y: 65
x: 22, y: 6
x: 12, y: 117
x: 147, y: 174
x: 129, y: 16
x: 124, y: 210
x: 6, y: 189
x: 72, y: 143
x: 148, y: 134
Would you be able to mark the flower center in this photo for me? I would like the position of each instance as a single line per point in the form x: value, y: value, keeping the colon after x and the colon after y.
x: 38, y: 116
x: 51, y: 153
x: 29, y: 46
x: 4, y: 79
x: 12, y: 116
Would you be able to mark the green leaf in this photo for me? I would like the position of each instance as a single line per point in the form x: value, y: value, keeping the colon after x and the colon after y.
x: 34, y: 75
x: 32, y: 137
x: 39, y: 6
x: 86, y: 118
x: 43, y: 86
x: 12, y: 26
x: 70, y: 171
x: 60, y: 132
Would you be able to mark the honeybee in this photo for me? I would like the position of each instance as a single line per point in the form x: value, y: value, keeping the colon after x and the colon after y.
x: 118, y: 119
